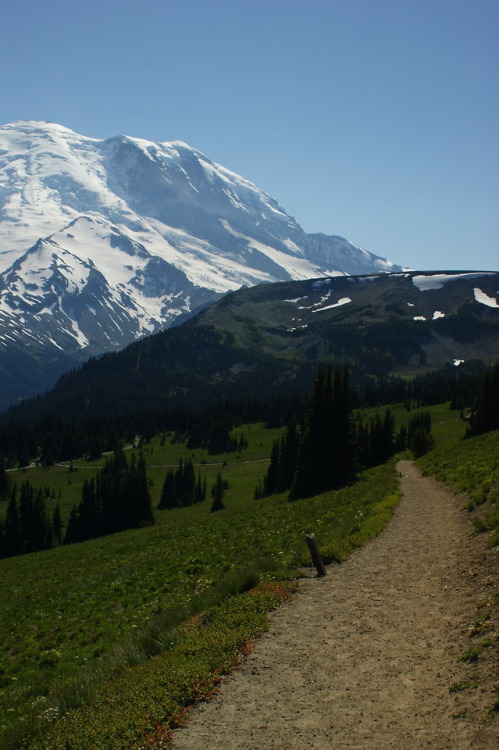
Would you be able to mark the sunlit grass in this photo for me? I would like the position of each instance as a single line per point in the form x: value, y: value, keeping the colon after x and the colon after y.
x: 70, y: 608
x: 76, y: 613
x: 471, y: 466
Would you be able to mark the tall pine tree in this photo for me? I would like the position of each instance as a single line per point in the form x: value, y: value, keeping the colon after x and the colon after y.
x: 327, y: 454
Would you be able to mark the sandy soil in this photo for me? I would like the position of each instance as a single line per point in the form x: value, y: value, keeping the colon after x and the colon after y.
x: 364, y: 657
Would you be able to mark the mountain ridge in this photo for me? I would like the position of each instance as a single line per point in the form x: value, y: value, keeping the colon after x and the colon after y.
x: 105, y: 241
x: 265, y: 341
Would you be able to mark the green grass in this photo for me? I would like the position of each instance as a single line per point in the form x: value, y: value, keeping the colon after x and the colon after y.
x: 67, y: 485
x: 472, y: 684
x: 80, y: 622
x: 471, y: 466
x: 142, y: 704
x: 76, y: 614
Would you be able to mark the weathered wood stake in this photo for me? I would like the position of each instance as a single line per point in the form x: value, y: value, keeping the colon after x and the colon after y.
x: 316, y: 556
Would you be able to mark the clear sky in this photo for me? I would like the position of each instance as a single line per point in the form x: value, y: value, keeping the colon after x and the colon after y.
x: 377, y: 120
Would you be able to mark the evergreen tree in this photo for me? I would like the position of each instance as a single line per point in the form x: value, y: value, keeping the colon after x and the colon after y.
x: 196, y: 437
x: 219, y: 440
x: 42, y: 527
x: 72, y: 532
x: 4, y: 480
x: 200, y: 489
x: 88, y: 513
x: 11, y: 529
x: 142, y: 514
x: 310, y: 474
x: 282, y: 465
x: 272, y: 476
x: 327, y: 456
x: 181, y: 489
x: 217, y: 493
x: 485, y: 414
x: 419, y: 437
x: 287, y: 458
x: 401, y: 440
x: 117, y: 499
x: 26, y: 518
x: 168, y: 499
x: 388, y: 435
x: 421, y: 442
x: 57, y: 524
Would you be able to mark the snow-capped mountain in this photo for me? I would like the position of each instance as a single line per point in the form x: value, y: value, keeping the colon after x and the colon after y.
x: 105, y: 241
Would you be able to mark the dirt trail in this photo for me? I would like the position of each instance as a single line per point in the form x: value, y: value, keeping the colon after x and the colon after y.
x: 364, y: 657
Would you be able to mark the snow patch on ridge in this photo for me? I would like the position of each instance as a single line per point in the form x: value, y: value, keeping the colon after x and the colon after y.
x: 484, y: 299
x: 436, y: 281
x: 340, y: 303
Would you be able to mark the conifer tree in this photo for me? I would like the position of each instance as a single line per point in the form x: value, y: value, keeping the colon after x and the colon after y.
x: 196, y: 437
x: 282, y: 465
x: 388, y: 434
x: 287, y: 458
x: 26, y: 518
x: 143, y: 515
x: 419, y: 437
x: 42, y: 528
x: 485, y: 414
x: 117, y: 499
x: 327, y: 455
x: 71, y: 536
x: 217, y: 493
x: 310, y: 474
x: 11, y: 529
x: 219, y: 436
x: 57, y: 524
x: 168, y: 499
x: 401, y: 439
x: 4, y: 480
x: 272, y: 476
x: 88, y: 513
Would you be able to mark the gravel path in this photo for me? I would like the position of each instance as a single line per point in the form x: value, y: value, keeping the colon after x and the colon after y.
x: 364, y: 657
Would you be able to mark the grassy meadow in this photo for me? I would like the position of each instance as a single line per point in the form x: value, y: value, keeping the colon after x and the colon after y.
x: 79, y: 613
x: 117, y: 635
x: 471, y: 466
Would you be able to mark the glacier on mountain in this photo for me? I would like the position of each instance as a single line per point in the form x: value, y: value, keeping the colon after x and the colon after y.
x: 105, y: 241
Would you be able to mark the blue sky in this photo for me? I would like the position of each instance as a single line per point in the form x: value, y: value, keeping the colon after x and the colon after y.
x: 373, y: 119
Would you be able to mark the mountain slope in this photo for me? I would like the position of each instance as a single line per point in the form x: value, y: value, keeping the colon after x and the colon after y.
x: 105, y: 241
x: 265, y: 341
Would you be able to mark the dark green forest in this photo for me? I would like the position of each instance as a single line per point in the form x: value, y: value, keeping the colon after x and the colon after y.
x: 323, y: 447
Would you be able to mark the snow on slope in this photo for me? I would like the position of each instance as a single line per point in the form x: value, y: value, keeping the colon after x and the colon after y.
x: 426, y: 282
x: 108, y: 240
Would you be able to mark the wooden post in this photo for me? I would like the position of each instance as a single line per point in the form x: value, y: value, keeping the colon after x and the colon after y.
x: 316, y: 556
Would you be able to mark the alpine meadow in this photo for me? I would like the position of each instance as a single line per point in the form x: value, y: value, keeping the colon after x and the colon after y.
x: 193, y: 386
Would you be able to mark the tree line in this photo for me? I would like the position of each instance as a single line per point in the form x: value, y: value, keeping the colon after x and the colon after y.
x: 50, y: 438
x: 27, y: 526
x: 323, y: 451
x: 116, y: 499
x: 331, y: 446
x: 484, y: 415
x: 181, y: 488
